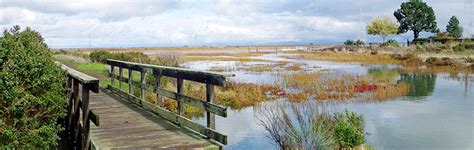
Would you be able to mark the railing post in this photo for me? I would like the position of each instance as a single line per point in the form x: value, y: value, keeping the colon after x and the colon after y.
x: 143, y: 81
x: 85, y: 117
x: 211, y: 118
x: 130, y: 91
x: 76, y: 114
x: 120, y: 77
x: 112, y: 76
x: 159, y: 98
x: 69, y: 104
x: 179, y: 85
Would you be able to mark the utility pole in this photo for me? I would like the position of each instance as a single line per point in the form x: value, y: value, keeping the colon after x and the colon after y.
x: 90, y: 41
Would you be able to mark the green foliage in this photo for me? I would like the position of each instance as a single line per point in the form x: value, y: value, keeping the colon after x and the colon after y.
x: 99, y: 56
x: 356, y: 42
x: 349, y: 129
x: 391, y: 43
x: 453, y: 27
x: 349, y: 42
x: 417, y: 16
x: 31, y: 91
x: 172, y: 59
x: 382, y: 26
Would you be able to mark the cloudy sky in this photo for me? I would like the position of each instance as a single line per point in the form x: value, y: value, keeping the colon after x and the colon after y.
x: 137, y: 23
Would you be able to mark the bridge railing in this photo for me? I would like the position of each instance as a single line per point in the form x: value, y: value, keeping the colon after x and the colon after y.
x: 210, y: 79
x: 79, y: 115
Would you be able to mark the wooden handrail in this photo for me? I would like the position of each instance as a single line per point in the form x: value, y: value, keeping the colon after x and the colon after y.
x: 78, y: 113
x: 210, y: 79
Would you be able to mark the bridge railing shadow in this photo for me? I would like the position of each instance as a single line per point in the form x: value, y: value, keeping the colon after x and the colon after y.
x: 210, y: 79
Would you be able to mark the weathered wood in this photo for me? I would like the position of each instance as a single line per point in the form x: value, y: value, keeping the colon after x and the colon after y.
x: 130, y: 79
x: 216, y: 109
x: 77, y: 127
x: 86, y: 80
x: 75, y: 108
x: 120, y: 75
x: 143, y: 81
x: 85, y: 117
x: 211, y: 118
x: 187, y: 74
x: 173, y: 117
x: 179, y: 85
x: 83, y: 78
x: 159, y: 98
x: 112, y: 81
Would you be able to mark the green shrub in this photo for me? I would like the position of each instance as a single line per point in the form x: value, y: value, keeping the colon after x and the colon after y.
x: 99, y: 56
x: 356, y: 42
x: 392, y: 43
x: 421, y: 41
x: 349, y: 129
x: 349, y: 42
x: 359, y: 42
x: 31, y: 92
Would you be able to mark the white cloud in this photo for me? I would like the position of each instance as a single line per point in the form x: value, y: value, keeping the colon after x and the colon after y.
x: 150, y: 23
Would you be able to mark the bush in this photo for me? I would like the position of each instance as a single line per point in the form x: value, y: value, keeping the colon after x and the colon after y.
x: 356, y: 42
x: 392, y: 43
x: 31, y: 92
x: 349, y: 42
x: 349, y: 129
x: 421, y: 40
x: 99, y: 56
x: 445, y: 61
x: 102, y: 55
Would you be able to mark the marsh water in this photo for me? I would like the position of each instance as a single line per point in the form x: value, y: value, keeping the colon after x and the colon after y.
x: 437, y: 113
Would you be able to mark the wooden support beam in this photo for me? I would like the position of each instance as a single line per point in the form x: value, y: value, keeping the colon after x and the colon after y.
x: 120, y: 75
x: 143, y: 81
x: 112, y: 81
x: 130, y: 79
x: 179, y: 85
x: 159, y: 98
x: 211, y: 118
x: 85, y: 117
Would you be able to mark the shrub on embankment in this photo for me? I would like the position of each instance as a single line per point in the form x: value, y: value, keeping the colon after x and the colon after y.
x: 31, y: 92
x: 164, y: 59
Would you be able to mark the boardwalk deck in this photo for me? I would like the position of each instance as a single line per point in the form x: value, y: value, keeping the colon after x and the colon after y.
x: 125, y: 125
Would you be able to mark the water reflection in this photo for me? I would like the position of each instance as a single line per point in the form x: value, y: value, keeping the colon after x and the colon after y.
x: 422, y: 85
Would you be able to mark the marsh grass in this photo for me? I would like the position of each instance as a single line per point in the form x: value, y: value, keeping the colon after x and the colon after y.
x: 391, y: 91
x: 310, y: 126
x: 364, y: 58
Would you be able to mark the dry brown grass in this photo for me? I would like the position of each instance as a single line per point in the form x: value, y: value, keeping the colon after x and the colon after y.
x: 240, y: 95
x: 206, y: 58
x: 391, y: 91
x: 250, y: 54
x: 364, y: 58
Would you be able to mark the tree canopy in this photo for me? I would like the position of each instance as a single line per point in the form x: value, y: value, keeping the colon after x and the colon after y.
x: 417, y: 16
x: 453, y: 27
x: 31, y: 91
x: 382, y: 26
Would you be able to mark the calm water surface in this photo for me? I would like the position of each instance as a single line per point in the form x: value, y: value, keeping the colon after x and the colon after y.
x: 438, y: 113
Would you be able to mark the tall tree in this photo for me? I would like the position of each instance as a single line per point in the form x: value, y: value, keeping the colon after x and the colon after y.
x: 382, y: 26
x: 417, y: 16
x: 453, y: 27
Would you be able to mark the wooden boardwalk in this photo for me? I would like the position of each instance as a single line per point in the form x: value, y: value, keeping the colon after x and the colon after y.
x: 126, y: 125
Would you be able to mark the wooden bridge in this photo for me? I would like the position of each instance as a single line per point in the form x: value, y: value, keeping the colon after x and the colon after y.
x: 130, y: 121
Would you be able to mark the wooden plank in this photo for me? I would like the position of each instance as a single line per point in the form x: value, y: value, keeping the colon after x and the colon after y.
x: 94, y: 118
x: 216, y: 109
x: 187, y: 74
x: 211, y: 118
x: 180, y: 120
